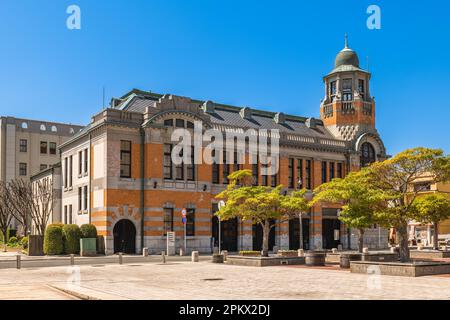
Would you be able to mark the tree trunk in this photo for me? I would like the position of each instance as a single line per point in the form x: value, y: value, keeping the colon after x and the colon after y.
x: 5, y: 242
x: 360, y: 240
x: 402, y: 232
x: 266, y: 231
x: 436, y: 236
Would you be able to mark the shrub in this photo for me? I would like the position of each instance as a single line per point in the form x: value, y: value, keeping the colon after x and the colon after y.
x: 88, y: 231
x: 24, y: 242
x: 13, y: 241
x: 53, y: 240
x: 250, y: 253
x: 71, y: 238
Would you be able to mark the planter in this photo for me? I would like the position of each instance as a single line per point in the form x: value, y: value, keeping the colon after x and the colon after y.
x: 264, y: 261
x: 88, y: 247
x: 288, y: 253
x: 217, y: 258
x: 409, y: 269
x: 345, y: 259
x: 429, y: 254
x: 250, y: 253
x: 315, y: 258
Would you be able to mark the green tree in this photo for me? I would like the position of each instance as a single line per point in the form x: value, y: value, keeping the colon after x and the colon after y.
x: 395, y: 177
x: 433, y: 208
x: 359, y: 201
x: 260, y: 204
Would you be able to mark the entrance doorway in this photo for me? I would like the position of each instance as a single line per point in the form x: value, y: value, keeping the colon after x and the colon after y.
x: 258, y: 237
x: 294, y: 233
x: 331, y: 233
x: 229, y: 235
x: 124, y: 237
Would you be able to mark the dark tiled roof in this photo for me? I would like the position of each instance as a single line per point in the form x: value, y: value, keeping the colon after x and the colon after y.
x: 225, y: 115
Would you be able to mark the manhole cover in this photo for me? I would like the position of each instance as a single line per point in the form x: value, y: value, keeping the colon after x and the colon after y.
x: 213, y: 279
x: 135, y: 265
x: 97, y: 265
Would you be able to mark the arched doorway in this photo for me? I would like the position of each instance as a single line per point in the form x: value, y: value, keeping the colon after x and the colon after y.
x: 124, y: 237
x: 367, y: 154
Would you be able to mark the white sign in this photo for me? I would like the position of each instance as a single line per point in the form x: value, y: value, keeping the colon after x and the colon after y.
x: 184, y: 212
x: 221, y: 204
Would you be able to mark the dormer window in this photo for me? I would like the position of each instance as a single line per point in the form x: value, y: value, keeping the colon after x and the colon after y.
x: 333, y: 89
x: 179, y: 123
x: 168, y: 123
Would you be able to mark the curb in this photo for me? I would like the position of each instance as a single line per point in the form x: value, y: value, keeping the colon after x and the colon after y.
x: 75, y: 294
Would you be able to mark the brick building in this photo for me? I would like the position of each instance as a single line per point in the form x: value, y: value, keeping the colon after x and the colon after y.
x: 118, y: 173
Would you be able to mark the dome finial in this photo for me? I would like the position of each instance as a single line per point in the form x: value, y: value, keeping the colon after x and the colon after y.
x: 346, y: 40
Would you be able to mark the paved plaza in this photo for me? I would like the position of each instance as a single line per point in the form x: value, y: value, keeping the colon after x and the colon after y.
x: 180, y: 280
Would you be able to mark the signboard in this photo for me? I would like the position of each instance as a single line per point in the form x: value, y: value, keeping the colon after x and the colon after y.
x: 336, y: 235
x: 221, y: 204
x: 183, y: 220
x: 170, y: 243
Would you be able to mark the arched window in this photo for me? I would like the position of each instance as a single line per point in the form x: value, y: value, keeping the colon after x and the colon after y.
x: 54, y: 129
x: 24, y: 125
x: 43, y: 128
x: 367, y: 154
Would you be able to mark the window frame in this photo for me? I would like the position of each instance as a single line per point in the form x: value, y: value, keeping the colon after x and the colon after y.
x: 190, y: 222
x: 23, y: 145
x: 123, y: 163
x: 43, y: 144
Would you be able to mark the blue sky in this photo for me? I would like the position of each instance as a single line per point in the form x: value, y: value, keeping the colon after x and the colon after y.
x: 263, y: 54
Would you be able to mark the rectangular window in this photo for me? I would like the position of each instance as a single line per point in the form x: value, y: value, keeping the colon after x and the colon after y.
x: 66, y: 163
x: 300, y: 174
x: 347, y: 91
x: 125, y: 159
x: 80, y: 163
x: 43, y: 147
x: 361, y: 87
x: 331, y: 171
x: 52, y: 147
x: 23, y: 145
x: 22, y: 169
x: 189, y: 125
x: 308, y: 175
x: 273, y: 180
x: 215, y: 169
x: 255, y: 173
x: 265, y: 179
x: 168, y: 123
x: 225, y: 168
x: 168, y: 220
x: 332, y: 88
x: 422, y: 186
x: 70, y: 171
x: 324, y: 171
x: 291, y: 173
x: 65, y: 215
x: 191, y: 167
x: 179, y: 123
x: 85, y: 198
x: 168, y: 161
x: 190, y: 222
x: 70, y: 214
x: 236, y: 165
x: 339, y: 170
x: 179, y: 168
x: 42, y: 167
x: 86, y: 163
x: 80, y: 199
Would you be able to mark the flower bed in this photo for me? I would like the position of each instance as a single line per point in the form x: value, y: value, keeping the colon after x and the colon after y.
x: 287, y: 253
x: 249, y: 253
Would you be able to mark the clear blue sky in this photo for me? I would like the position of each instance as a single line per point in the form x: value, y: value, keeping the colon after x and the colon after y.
x: 263, y: 54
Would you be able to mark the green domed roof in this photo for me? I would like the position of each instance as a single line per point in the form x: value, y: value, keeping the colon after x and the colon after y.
x: 347, y: 57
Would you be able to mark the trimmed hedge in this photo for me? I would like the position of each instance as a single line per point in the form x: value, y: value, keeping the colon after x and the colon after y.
x: 71, y: 238
x: 53, y: 240
x: 88, y: 231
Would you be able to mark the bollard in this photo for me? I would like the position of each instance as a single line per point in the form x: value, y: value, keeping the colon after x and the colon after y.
x: 120, y: 258
x: 194, y: 256
x: 18, y: 261
x: 145, y: 252
x: 334, y: 250
x: 393, y: 250
x: 72, y: 259
x: 181, y: 252
x: 365, y: 250
x: 163, y: 255
x: 225, y: 254
x: 301, y: 252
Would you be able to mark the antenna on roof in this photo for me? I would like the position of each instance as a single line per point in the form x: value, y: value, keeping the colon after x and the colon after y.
x: 346, y: 40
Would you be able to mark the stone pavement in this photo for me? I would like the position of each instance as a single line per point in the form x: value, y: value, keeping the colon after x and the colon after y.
x: 204, y: 280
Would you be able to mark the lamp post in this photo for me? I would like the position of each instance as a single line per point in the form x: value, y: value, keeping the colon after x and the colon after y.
x: 300, y: 220
x: 221, y: 205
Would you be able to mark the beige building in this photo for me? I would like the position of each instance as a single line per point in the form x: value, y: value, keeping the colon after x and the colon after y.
x: 30, y: 146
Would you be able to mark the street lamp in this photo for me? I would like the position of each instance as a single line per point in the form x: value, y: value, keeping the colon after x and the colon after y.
x: 220, y: 205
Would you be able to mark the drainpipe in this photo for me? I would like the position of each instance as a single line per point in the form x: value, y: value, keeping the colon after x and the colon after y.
x: 349, y: 236
x: 142, y: 204
x: 90, y: 179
